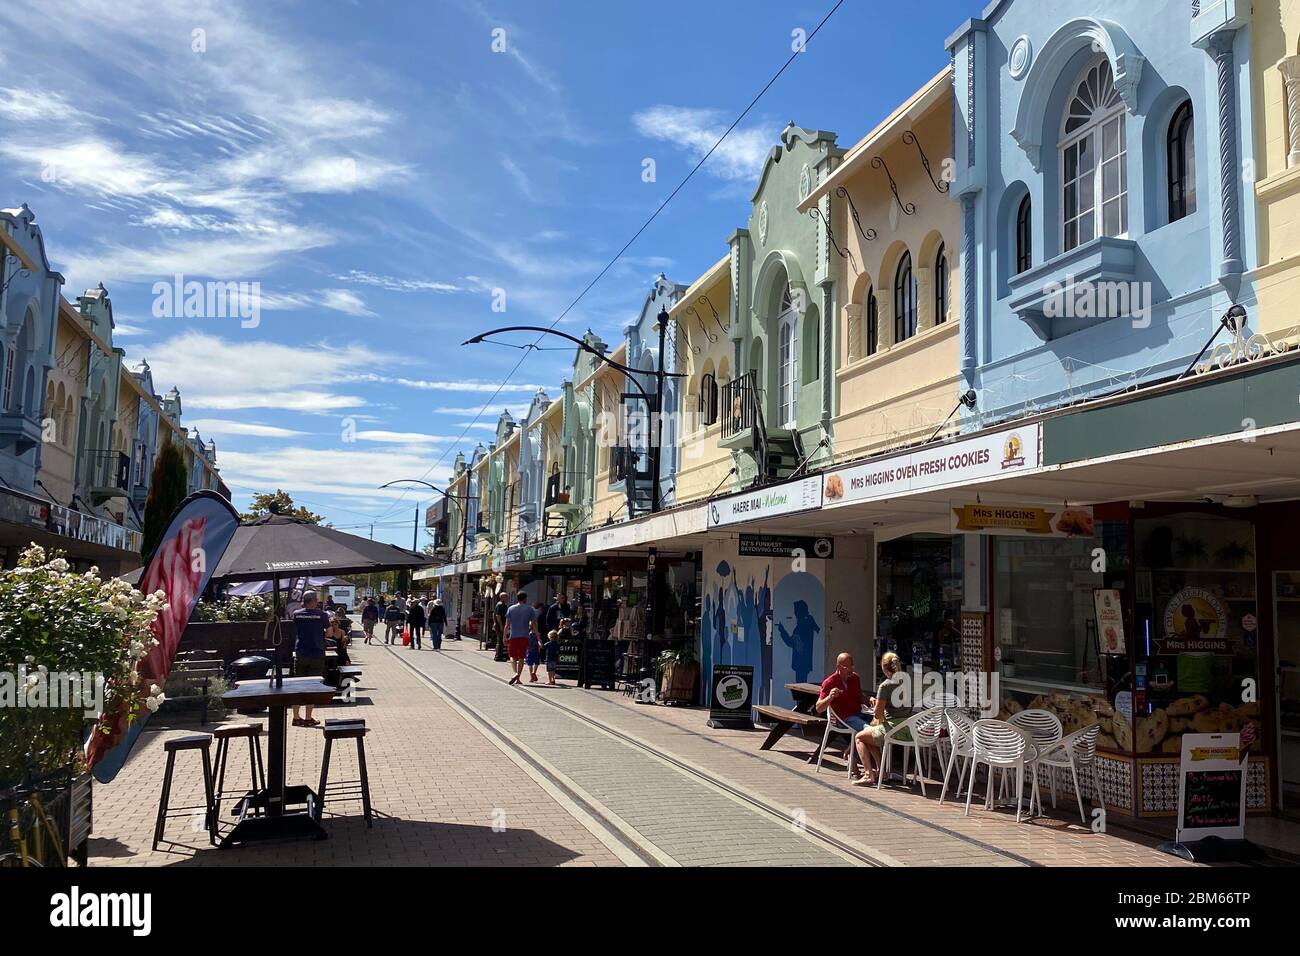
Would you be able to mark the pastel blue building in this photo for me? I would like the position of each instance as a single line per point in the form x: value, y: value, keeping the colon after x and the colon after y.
x: 1101, y: 162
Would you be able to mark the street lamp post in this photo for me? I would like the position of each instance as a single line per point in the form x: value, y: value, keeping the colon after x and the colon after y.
x: 654, y: 403
x: 464, y: 536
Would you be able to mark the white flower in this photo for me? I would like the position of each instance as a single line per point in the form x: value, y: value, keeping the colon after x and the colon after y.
x: 33, y: 680
x: 58, y: 564
x: 154, y: 690
x: 153, y: 703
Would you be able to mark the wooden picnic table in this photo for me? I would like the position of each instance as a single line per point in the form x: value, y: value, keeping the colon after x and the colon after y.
x: 276, y: 821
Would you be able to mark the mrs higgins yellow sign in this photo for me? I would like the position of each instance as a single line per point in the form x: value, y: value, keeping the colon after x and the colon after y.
x: 1022, y: 519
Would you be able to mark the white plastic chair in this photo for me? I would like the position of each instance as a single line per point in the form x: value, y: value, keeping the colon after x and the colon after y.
x: 999, y: 746
x: 836, y: 726
x: 960, y: 747
x: 1075, y: 750
x: 1044, y: 729
x: 923, y: 730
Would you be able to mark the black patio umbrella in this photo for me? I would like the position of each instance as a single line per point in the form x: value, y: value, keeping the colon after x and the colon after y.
x: 280, y: 546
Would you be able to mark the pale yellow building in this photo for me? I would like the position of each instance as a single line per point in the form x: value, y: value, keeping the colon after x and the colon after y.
x: 897, y: 232
x: 1275, y: 91
x: 705, y: 349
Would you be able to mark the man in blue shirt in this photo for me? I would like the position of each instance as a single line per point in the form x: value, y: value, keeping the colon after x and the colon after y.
x: 310, y: 621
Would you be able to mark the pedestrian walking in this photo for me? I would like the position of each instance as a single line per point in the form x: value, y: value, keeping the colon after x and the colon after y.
x: 310, y: 623
x: 551, y: 654
x: 415, y: 617
x: 519, y: 630
x: 369, y: 618
x: 534, y: 655
x: 393, y: 618
x: 437, y: 621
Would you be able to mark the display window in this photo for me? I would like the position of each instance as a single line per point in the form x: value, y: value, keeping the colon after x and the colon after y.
x: 920, y: 591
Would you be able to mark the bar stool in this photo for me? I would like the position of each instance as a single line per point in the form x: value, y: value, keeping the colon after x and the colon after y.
x: 345, y: 790
x: 200, y: 742
x: 257, y: 770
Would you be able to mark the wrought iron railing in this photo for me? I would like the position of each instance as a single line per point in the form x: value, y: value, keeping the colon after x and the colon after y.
x: 109, y: 469
x: 739, y: 411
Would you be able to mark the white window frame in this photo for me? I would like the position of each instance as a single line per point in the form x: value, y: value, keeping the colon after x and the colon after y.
x: 787, y: 367
x: 1093, y: 132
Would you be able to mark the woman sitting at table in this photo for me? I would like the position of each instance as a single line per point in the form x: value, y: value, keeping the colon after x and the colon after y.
x: 887, y: 713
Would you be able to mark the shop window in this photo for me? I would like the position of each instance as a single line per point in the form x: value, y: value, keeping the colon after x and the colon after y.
x: 1196, y: 613
x: 1180, y: 151
x: 920, y: 583
x: 1024, y: 235
x: 941, y: 286
x: 904, y: 300
x: 787, y: 365
x: 1094, y: 180
x: 708, y: 400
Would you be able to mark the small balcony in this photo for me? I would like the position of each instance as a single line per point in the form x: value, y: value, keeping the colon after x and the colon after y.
x: 109, y: 475
x: 740, y: 411
x: 19, y: 432
x: 1078, y: 289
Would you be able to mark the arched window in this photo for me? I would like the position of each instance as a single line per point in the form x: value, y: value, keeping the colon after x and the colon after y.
x: 1024, y: 235
x: 941, y: 286
x: 904, y: 300
x: 873, y: 322
x: 1094, y: 181
x: 1181, y: 155
x: 787, y: 363
x: 7, y: 388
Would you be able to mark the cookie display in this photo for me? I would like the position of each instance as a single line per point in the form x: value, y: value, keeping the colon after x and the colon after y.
x: 1186, y: 706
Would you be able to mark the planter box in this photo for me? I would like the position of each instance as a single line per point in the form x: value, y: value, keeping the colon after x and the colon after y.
x: 678, y: 683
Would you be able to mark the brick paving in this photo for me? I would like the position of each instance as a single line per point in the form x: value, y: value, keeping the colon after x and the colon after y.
x: 437, y: 782
x: 892, y: 824
x: 440, y: 783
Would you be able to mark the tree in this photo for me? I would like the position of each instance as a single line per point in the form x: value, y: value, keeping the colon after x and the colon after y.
x: 168, y: 487
x: 280, y: 503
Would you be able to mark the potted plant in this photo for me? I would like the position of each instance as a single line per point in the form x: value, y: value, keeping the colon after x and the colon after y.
x: 70, y: 645
x: 679, y: 671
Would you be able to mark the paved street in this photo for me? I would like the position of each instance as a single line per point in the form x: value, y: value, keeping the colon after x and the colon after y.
x: 466, y: 770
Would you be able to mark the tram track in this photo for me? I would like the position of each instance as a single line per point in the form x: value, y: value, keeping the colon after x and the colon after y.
x: 848, y: 850
x: 873, y: 858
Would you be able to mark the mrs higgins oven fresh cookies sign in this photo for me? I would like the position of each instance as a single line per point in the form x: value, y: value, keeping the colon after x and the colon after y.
x: 975, y: 459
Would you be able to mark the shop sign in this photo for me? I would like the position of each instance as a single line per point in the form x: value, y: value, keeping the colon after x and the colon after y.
x: 1018, y: 520
x: 598, y: 664
x: 1110, y: 620
x: 960, y: 462
x: 731, y: 696
x: 789, y: 498
x: 568, y: 664
x: 1212, y: 788
x: 556, y: 547
x: 512, y: 556
x: 1195, y: 620
x: 785, y: 546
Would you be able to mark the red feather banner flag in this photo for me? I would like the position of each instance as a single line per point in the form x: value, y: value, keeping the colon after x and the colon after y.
x: 181, y: 565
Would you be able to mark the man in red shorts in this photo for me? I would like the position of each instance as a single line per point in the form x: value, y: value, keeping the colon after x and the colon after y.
x: 521, y: 622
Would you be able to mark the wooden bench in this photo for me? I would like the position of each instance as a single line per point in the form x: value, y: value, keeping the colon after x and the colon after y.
x: 785, y: 719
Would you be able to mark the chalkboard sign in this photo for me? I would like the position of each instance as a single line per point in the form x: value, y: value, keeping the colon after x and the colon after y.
x: 568, y: 664
x: 598, y: 664
x: 731, y: 696
x: 1212, y: 788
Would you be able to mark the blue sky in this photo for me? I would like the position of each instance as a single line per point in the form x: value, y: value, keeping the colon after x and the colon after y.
x: 379, y: 170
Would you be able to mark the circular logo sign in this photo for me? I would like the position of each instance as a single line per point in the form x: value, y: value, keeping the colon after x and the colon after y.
x: 1022, y: 54
x: 1195, y: 614
x: 805, y: 181
x: 732, y: 692
x: 822, y: 547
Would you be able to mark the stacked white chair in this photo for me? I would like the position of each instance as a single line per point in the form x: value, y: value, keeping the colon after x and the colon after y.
x: 1075, y: 750
x: 923, y: 732
x: 999, y: 746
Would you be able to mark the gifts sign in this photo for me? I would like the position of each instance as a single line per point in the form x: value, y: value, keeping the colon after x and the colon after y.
x: 180, y: 566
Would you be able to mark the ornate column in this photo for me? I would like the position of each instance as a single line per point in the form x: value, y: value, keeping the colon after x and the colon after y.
x: 1289, y: 67
x: 1220, y: 48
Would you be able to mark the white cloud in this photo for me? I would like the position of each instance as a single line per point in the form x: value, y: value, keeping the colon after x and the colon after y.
x: 227, y: 375
x: 402, y: 438
x: 694, y: 131
x: 221, y: 426
x: 452, y: 386
x: 336, y: 300
x: 396, y: 284
x: 331, y: 471
x: 29, y: 105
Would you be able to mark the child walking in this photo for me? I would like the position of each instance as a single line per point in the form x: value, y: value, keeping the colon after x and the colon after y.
x: 551, y: 655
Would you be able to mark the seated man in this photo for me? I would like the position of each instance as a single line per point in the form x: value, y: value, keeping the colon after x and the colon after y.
x: 842, y: 693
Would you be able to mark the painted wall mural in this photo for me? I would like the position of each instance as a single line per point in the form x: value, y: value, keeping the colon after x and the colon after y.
x: 762, y: 613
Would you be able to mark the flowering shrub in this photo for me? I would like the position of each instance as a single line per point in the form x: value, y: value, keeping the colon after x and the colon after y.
x: 55, y: 621
x: 235, y: 609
